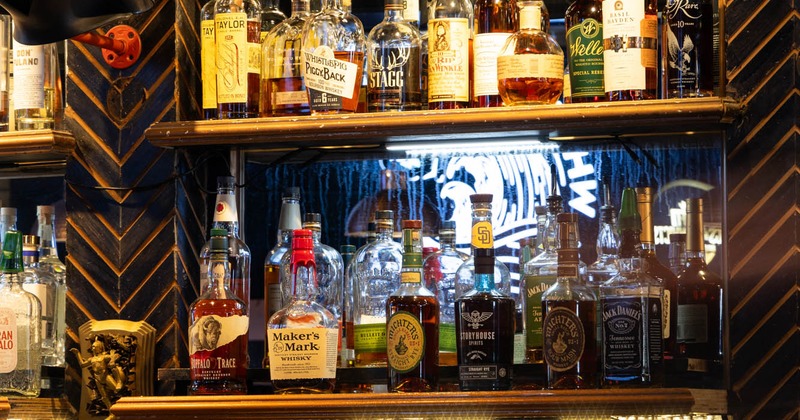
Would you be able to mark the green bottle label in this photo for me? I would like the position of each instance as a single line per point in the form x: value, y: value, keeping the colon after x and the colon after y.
x: 534, y: 287
x: 585, y: 45
x: 447, y: 337
x: 370, y: 338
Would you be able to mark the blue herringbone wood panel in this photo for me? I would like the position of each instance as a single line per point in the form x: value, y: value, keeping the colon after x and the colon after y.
x: 763, y: 192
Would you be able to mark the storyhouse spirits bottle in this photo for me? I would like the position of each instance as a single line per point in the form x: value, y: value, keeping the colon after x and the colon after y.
x: 584, y: 24
x: 52, y: 265
x: 495, y: 21
x: 630, y: 40
x: 303, y: 335
x: 283, y: 90
x: 237, y: 29
x: 687, y: 52
x: 449, y: 53
x: 412, y: 322
x: 218, y: 326
x: 37, y: 98
x: 41, y: 284
x: 208, y: 60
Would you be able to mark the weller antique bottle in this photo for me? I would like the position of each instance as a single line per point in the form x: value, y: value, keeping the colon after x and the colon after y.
x: 583, y: 20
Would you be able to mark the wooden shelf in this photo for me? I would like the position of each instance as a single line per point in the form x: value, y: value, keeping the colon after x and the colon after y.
x: 34, y: 153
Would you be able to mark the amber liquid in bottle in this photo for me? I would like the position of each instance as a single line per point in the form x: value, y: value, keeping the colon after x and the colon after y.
x: 284, y: 85
x: 423, y: 377
x: 491, y: 16
x: 204, y: 364
x: 247, y: 109
x: 582, y: 375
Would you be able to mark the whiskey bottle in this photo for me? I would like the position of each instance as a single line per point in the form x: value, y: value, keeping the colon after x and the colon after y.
x: 283, y: 89
x: 218, y: 326
x: 303, y: 335
x: 485, y: 318
x: 51, y: 264
x: 687, y: 54
x: 333, y: 56
x: 412, y: 323
x: 42, y: 285
x: 677, y: 252
x: 237, y: 28
x: 606, y: 265
x: 584, y: 25
x: 630, y: 40
x: 449, y: 53
x: 495, y: 21
x: 569, y: 317
x: 530, y: 67
x: 393, y: 62
x: 36, y: 94
x: 349, y: 296
x: 208, y: 60
x: 271, y: 16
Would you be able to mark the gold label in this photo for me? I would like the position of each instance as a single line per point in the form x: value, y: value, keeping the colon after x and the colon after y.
x: 208, y: 68
x: 405, y: 341
x: 448, y: 60
x: 482, y: 236
x: 232, y: 57
x: 302, y: 353
x: 410, y: 277
x: 665, y: 305
x: 253, y: 58
x: 212, y: 331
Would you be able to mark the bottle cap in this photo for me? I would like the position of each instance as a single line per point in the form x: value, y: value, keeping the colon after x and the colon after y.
x: 226, y: 182
x: 448, y: 225
x: 219, y: 239
x: 312, y: 218
x: 347, y: 249
x: 645, y: 194
x: 629, y: 218
x: 412, y: 224
x: 384, y: 214
x: 8, y: 211
x: 291, y: 192
x: 30, y: 240
x: 480, y: 198
x: 694, y: 205
x: 301, y: 239
x: 45, y: 210
x: 567, y: 217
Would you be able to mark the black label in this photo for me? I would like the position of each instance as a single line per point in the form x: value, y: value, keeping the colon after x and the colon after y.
x: 622, y: 337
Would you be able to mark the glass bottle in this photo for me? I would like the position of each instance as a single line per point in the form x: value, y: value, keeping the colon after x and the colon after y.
x: 303, y: 335
x: 584, y: 25
x: 8, y: 219
x: 283, y: 89
x: 36, y: 95
x: 677, y: 252
x: 393, y: 62
x: 333, y: 53
x: 530, y: 66
x: 237, y: 28
x: 485, y: 318
x: 42, y: 285
x: 349, y: 295
x: 208, y: 60
x: 346, y: 356
x: 569, y: 317
x: 495, y: 21
x: 218, y: 326
x: 412, y: 322
x: 51, y: 264
x: 271, y: 16
x: 449, y: 53
x: 630, y: 40
x: 605, y: 267
x: 687, y: 55
x: 541, y: 219
x: 226, y: 217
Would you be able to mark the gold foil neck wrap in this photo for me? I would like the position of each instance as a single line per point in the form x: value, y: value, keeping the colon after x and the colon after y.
x: 644, y: 203
x: 694, y: 225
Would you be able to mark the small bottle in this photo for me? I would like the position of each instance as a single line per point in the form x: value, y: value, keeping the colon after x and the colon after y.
x: 630, y: 40
x: 393, y: 54
x: 36, y: 93
x: 283, y: 89
x: 412, y: 323
x: 237, y: 28
x: 218, y: 326
x: 677, y: 252
x: 208, y: 60
x: 584, y: 25
x: 485, y: 318
x: 449, y: 53
x: 271, y: 16
x: 41, y: 284
x: 303, y: 335
x: 687, y: 54
x: 50, y: 263
x: 495, y: 21
x: 333, y: 53
x: 569, y: 318
x: 530, y: 67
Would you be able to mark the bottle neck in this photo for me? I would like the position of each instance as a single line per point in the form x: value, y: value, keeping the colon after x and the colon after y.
x: 47, y: 236
x: 30, y: 256
x: 8, y: 223
x: 219, y: 272
x: 225, y: 213
x: 269, y: 5
x: 607, y: 240
x: 630, y: 265
x: 530, y: 16
x: 447, y: 242
x: 394, y: 12
x: 289, y: 218
x: 384, y: 232
x: 301, y: 7
x: 304, y: 274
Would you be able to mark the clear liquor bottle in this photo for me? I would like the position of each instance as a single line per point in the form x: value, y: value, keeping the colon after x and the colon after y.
x: 605, y: 267
x: 208, y: 60
x: 687, y: 55
x: 283, y: 89
x: 583, y: 20
x: 237, y: 28
x: 303, y: 335
x: 541, y: 220
x: 42, y: 285
x: 333, y: 42
x: 495, y: 21
x: 36, y: 94
x: 218, y: 326
x: 630, y: 40
x: 349, y: 296
x: 346, y: 356
x: 8, y: 220
x: 393, y: 62
x: 412, y: 323
x: 271, y: 16
x: 450, y: 24
x: 50, y: 263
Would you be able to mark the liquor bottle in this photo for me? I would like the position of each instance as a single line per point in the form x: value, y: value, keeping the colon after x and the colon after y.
x: 41, y: 284
x: 271, y: 16
x: 677, y: 252
x: 440, y: 273
x: 8, y: 219
x: 303, y: 335
x: 605, y: 267
x: 530, y: 67
x: 226, y: 217
x: 569, y: 317
x: 283, y: 89
x: 218, y: 326
x: 393, y: 62
x: 630, y: 40
x: 288, y: 220
x: 333, y: 53
x: 377, y: 275
x: 5, y: 71
x: 237, y: 28
x: 449, y: 53
x: 687, y: 54
x: 349, y: 296
x: 584, y: 24
x: 208, y: 60
x: 412, y: 323
x: 700, y: 315
x: 485, y: 318
x: 495, y: 21
x: 346, y: 355
x: 50, y: 263
x: 36, y: 93
x: 541, y: 220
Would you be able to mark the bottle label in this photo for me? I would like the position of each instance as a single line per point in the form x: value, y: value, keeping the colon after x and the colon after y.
x: 410, y: 277
x: 485, y: 49
x: 655, y: 331
x: 218, y: 347
x: 550, y: 66
x: 481, y: 373
x: 290, y: 98
x: 225, y: 209
x: 208, y: 68
x: 448, y: 60
x: 405, y: 342
x: 254, y: 57
x: 629, y: 44
x: 328, y: 79
x: 394, y: 75
x: 534, y: 287
x: 447, y: 337
x: 482, y: 235
x: 29, y: 76
x: 564, y: 339
x: 692, y: 324
x: 666, y: 304
x: 302, y: 353
x: 585, y: 44
x: 623, y: 335
x: 211, y: 332
x: 411, y: 10
x: 232, y: 57
x: 8, y: 340
x: 370, y: 338
x: 682, y: 36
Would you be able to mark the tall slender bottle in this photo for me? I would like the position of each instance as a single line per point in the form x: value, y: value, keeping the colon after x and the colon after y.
x: 303, y: 335
x: 208, y: 60
x: 606, y: 266
x: 8, y: 219
x: 687, y: 55
x: 271, y: 16
x: 412, y: 322
x: 485, y: 326
x: 218, y: 326
x: 41, y: 284
x: 333, y: 56
x: 49, y: 262
x: 237, y: 28
x: 449, y: 53
x: 630, y: 41
x: 495, y: 21
x: 37, y: 98
x: 346, y: 356
x: 584, y: 24
x: 350, y: 298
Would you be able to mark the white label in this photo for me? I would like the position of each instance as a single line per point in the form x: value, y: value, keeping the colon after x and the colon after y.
x: 225, y: 209
x: 8, y: 340
x: 302, y: 353
x: 530, y: 65
x: 28, y: 76
x: 692, y: 324
x: 622, y: 64
x: 232, y: 57
x: 448, y: 60
x: 485, y: 48
x: 323, y: 72
x: 290, y: 98
x: 411, y: 10
x: 211, y: 332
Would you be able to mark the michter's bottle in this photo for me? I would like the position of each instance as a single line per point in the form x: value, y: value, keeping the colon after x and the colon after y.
x: 303, y: 335
x: 237, y: 28
x: 208, y: 60
x: 485, y: 318
x: 630, y: 40
x: 218, y: 326
x: 687, y: 54
x: 495, y: 21
x: 584, y: 24
x: 449, y: 48
x: 569, y: 317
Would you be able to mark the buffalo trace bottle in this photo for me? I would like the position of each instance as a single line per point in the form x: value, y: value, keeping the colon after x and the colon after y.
x: 495, y: 21
x: 687, y: 54
x: 218, y: 326
x: 393, y: 62
x: 50, y: 263
x: 283, y: 89
x: 237, y: 27
x: 584, y: 24
x: 630, y: 40
x: 303, y: 335
x: 569, y: 317
x: 208, y: 60
x: 412, y: 323
x: 333, y: 59
x: 449, y: 53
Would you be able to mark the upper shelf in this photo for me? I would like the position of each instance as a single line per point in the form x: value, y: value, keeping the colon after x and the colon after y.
x: 34, y: 153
